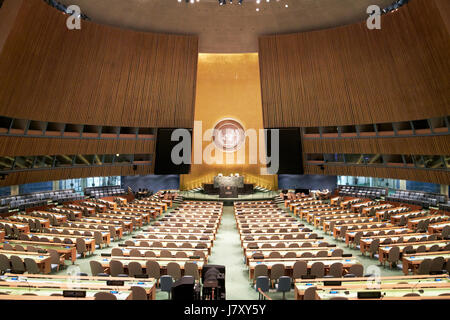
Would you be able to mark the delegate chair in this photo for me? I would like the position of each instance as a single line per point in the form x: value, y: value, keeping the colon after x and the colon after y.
x: 424, y: 267
x: 96, y: 268
x: 357, y: 270
x: 191, y: 269
x: 393, y: 256
x: 138, y: 293
x: 17, y: 264
x: 31, y: 266
x: 166, y: 283
x: 318, y: 269
x: 284, y: 285
x: 310, y: 294
x: 4, y: 263
x: 437, y: 264
x: 174, y: 270
x: 300, y: 269
x: 153, y: 270
x: 276, y: 272
x: 134, y: 269
x: 262, y: 283
x: 81, y: 247
x: 116, y: 268
x: 336, y: 270
x: 261, y: 270
x: 104, y: 296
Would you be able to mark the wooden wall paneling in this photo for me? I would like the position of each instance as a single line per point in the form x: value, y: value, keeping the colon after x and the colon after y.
x: 32, y: 176
x: 8, y: 14
x: 98, y: 75
x: 352, y: 75
x: 19, y: 146
x: 433, y: 176
x: 431, y: 145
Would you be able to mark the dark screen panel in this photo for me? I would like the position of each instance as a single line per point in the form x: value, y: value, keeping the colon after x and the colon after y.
x: 164, y: 146
x: 290, y: 152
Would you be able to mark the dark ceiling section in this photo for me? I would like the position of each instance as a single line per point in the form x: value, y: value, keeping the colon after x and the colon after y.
x: 231, y: 28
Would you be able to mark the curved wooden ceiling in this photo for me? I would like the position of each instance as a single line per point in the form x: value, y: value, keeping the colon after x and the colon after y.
x: 229, y: 28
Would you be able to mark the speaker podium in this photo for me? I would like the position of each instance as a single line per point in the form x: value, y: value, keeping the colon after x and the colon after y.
x: 228, y: 192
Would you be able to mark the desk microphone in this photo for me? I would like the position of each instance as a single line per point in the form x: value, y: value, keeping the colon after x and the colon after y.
x: 28, y: 285
x: 412, y: 290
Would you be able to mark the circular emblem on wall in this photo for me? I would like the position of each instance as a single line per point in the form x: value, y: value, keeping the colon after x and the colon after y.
x: 228, y: 135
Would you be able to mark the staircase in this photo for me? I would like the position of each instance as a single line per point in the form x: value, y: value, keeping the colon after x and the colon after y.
x: 278, y: 200
x: 261, y: 189
x: 178, y: 199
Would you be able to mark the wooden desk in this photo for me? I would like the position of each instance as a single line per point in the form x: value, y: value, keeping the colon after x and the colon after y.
x: 45, y: 223
x: 334, y: 200
x: 283, y: 251
x: 438, y: 227
x: 381, y: 213
x: 289, y: 263
x: 109, y: 204
x: 357, y: 206
x: 383, y: 250
x: 366, y: 241
x: 413, y: 261
x: 162, y: 243
x: 188, y: 219
x: 275, y: 220
x: 395, y: 219
x: 77, y: 213
x: 136, y: 220
x: 309, y: 216
x: 157, y: 251
x: 350, y: 202
x: 68, y: 251
x: 125, y: 224
x: 90, y: 241
x: 82, y: 208
x: 360, y: 226
x: 98, y: 207
x: 272, y: 231
x: 413, y: 223
x: 320, y: 221
x: 392, y: 288
x: 345, y: 221
x: 22, y: 227
x: 145, y: 216
x: 43, y: 260
x: 366, y: 210
x: 96, y: 227
x: 259, y: 243
x: 349, y: 236
x: 45, y: 285
x: 281, y: 222
x: 106, y: 235
x: 205, y: 226
x: 185, y: 231
x: 176, y: 237
x: 60, y: 218
x: 163, y: 262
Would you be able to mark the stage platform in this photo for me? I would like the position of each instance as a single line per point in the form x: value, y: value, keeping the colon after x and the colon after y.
x: 257, y: 196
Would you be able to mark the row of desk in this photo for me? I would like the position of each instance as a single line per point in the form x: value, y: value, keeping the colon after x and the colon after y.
x: 184, y: 236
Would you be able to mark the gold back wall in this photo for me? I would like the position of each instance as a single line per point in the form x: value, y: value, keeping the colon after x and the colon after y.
x: 228, y: 86
x: 353, y: 75
x: 98, y: 75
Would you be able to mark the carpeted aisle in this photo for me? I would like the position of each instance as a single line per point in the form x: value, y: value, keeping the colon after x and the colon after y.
x: 227, y: 251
